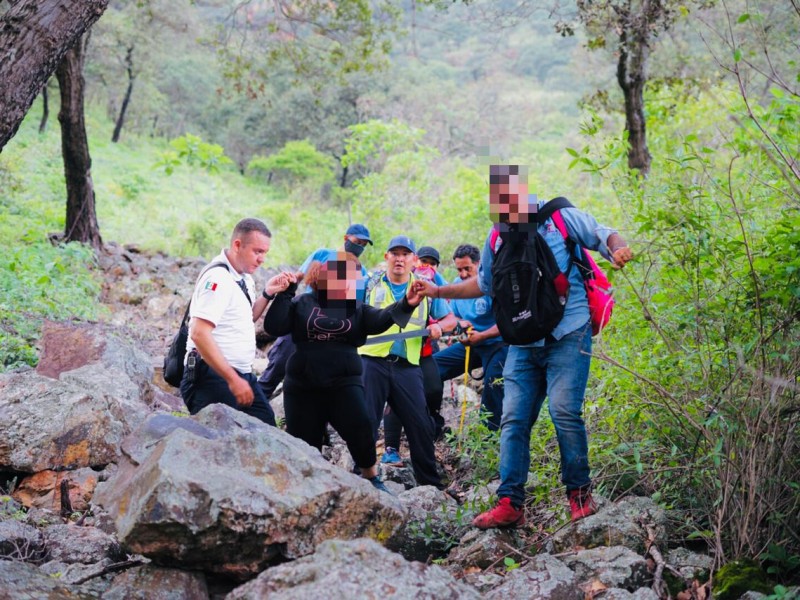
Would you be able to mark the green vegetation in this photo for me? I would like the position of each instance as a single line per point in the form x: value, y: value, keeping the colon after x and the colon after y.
x: 694, y: 395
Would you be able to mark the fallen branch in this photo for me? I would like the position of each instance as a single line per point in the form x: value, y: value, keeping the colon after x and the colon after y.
x: 112, y: 568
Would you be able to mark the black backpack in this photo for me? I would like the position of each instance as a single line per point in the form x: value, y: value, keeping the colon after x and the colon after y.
x: 529, y: 290
x: 173, y: 360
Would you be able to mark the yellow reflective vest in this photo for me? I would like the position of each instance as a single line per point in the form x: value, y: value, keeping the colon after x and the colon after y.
x: 380, y: 296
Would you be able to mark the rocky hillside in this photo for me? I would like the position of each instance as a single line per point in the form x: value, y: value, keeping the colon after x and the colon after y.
x: 115, y: 492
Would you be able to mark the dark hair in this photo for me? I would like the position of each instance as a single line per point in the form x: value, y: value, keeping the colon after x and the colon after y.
x: 247, y: 226
x: 316, y: 267
x: 469, y: 251
x: 501, y: 173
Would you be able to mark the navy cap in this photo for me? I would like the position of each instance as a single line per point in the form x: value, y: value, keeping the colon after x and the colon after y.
x: 360, y: 231
x: 402, y: 241
x: 429, y: 252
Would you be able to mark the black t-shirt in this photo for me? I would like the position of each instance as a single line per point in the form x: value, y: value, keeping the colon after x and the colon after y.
x: 327, y: 337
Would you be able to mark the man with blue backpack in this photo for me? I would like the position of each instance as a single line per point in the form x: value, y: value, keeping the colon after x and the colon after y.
x: 542, y: 310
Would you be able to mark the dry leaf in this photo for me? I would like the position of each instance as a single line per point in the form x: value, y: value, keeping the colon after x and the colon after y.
x: 593, y: 588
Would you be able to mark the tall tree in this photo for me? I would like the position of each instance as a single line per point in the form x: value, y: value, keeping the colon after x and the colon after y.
x: 629, y: 28
x: 34, y: 37
x: 81, y: 223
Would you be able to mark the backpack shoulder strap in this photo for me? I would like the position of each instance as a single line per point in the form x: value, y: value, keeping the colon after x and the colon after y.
x: 373, y: 281
x: 495, y: 233
x: 203, y: 272
x: 552, y: 206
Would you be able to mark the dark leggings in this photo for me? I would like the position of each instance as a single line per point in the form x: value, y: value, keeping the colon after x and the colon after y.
x: 393, y: 428
x: 310, y: 409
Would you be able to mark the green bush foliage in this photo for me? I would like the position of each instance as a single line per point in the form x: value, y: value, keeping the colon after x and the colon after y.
x: 39, y: 281
x: 703, y: 355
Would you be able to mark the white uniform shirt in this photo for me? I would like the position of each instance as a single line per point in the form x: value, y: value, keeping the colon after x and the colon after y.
x: 217, y: 298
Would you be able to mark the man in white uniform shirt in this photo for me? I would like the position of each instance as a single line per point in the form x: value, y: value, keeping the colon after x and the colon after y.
x: 222, y: 343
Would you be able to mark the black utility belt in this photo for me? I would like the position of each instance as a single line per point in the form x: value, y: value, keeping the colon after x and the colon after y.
x: 395, y: 359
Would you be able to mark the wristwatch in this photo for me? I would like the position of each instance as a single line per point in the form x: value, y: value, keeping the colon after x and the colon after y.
x: 268, y: 296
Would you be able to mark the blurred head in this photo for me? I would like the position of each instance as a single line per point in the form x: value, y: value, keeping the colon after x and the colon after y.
x: 250, y: 243
x: 508, y: 194
x: 467, y: 259
x: 428, y: 255
x: 335, y: 280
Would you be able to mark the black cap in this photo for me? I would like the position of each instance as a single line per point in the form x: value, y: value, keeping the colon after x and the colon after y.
x: 429, y: 252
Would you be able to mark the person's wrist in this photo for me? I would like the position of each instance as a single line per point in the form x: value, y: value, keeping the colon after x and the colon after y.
x: 268, y: 296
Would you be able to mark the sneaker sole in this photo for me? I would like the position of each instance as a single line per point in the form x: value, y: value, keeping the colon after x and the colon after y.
x: 518, y: 523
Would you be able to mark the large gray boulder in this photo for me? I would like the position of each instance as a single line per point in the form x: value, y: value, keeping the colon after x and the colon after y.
x: 613, y: 567
x: 68, y: 347
x: 69, y: 543
x: 224, y: 493
x: 51, y: 424
x: 543, y: 578
x: 20, y: 580
x: 90, y: 389
x: 154, y: 583
x: 344, y: 570
x: 20, y: 541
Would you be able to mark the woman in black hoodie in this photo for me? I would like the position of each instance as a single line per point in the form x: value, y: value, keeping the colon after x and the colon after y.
x: 323, y: 377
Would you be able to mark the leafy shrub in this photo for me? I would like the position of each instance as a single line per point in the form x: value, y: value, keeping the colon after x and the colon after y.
x: 705, y: 346
x: 297, y: 162
x: 39, y: 281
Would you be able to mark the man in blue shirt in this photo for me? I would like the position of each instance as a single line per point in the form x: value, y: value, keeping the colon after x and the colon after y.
x: 487, y: 347
x: 556, y: 367
x: 356, y: 239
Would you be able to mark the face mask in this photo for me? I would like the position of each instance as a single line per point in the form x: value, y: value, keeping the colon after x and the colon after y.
x: 425, y: 271
x: 352, y: 248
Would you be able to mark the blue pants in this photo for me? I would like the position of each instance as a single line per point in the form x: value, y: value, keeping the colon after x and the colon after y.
x: 559, y: 371
x: 400, y: 384
x: 277, y: 356
x: 492, y: 358
x: 208, y: 387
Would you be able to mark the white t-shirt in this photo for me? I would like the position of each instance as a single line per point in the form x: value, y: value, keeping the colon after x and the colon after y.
x: 217, y: 298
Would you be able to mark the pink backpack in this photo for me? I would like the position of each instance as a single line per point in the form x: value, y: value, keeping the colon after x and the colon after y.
x: 598, y: 288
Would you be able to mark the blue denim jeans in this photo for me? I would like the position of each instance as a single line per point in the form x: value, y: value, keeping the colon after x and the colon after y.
x: 559, y: 371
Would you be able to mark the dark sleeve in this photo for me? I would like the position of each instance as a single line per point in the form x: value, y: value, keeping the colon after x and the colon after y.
x: 278, y: 320
x: 378, y: 320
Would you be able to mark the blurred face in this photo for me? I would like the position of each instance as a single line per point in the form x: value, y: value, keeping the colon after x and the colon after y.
x: 248, y: 253
x: 508, y: 201
x: 399, y: 263
x: 466, y: 268
x: 427, y: 262
x: 339, y: 280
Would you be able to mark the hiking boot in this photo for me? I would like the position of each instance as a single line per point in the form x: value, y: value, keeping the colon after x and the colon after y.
x: 502, y: 515
x: 581, y: 504
x: 378, y: 484
x: 391, y: 457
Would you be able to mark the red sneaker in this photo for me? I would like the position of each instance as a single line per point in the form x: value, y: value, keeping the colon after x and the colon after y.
x: 581, y: 504
x: 502, y: 515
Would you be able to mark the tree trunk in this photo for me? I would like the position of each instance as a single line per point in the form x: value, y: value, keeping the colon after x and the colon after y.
x: 126, y: 100
x: 34, y: 36
x: 45, y: 110
x: 632, y: 76
x: 81, y: 224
